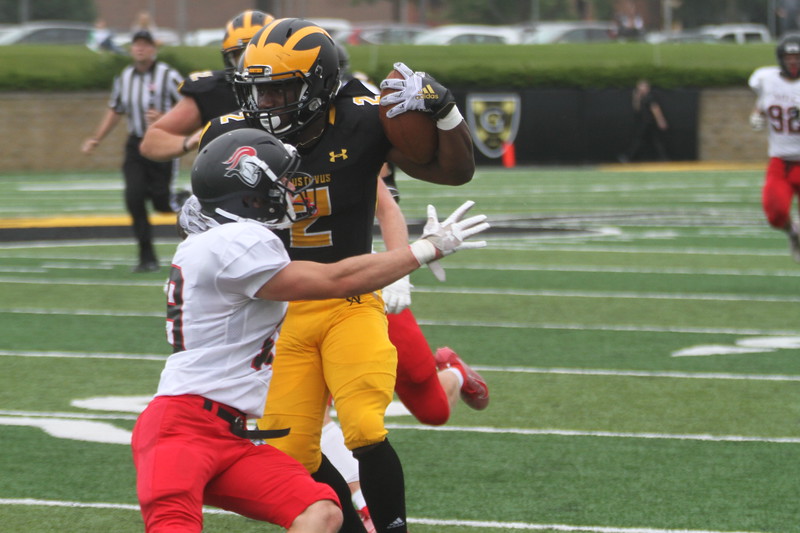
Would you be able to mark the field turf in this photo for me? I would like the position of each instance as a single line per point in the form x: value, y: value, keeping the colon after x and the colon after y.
x: 637, y: 325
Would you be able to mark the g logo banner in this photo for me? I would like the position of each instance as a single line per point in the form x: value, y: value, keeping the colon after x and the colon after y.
x: 493, y: 120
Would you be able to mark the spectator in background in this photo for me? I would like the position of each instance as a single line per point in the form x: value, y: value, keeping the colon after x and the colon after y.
x: 144, y: 22
x: 630, y: 26
x: 144, y: 91
x: 649, y: 126
x: 102, y: 39
x: 788, y: 12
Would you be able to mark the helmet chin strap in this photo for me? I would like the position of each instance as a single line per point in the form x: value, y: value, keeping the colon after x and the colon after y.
x: 282, y: 224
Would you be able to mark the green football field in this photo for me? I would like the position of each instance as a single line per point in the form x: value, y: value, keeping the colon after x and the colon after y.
x: 637, y: 326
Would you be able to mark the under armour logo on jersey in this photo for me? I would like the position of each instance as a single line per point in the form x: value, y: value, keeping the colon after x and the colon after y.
x: 334, y: 155
x: 244, y: 165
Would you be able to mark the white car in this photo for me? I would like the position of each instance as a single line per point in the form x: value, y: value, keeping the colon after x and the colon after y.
x: 336, y: 28
x: 205, y: 37
x: 719, y: 33
x: 469, y: 34
x: 570, y: 32
x: 55, y: 32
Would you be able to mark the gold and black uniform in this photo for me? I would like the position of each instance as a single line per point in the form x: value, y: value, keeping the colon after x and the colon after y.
x: 339, y: 346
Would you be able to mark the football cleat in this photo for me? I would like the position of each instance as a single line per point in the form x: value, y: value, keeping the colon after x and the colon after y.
x: 366, y: 519
x: 794, y: 242
x: 474, y: 391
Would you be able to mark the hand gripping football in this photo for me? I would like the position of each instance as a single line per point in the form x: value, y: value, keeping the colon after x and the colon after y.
x: 412, y: 132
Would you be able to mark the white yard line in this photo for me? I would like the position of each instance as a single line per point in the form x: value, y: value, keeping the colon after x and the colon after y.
x: 471, y: 291
x: 482, y: 368
x: 30, y: 502
x: 608, y: 434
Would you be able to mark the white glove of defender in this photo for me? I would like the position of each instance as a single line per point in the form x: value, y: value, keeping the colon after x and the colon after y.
x: 397, y: 295
x: 444, y: 238
x: 757, y: 121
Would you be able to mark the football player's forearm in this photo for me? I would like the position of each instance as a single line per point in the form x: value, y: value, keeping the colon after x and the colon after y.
x: 454, y: 163
x: 305, y: 280
x: 161, y: 145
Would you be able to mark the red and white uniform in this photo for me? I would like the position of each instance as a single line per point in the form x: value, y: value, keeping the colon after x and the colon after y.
x: 215, y: 321
x: 779, y: 100
x: 223, y: 336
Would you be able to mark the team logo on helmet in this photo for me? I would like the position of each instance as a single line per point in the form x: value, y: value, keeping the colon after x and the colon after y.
x: 245, y: 165
x: 493, y: 120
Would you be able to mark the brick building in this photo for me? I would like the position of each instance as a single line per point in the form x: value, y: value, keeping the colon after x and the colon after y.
x: 188, y: 15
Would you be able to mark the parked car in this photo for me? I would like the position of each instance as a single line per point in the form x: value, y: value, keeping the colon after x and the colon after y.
x: 383, y: 34
x: 469, y: 34
x: 738, y: 33
x: 46, y: 32
x: 205, y: 37
x: 719, y: 33
x: 570, y: 32
x: 336, y: 28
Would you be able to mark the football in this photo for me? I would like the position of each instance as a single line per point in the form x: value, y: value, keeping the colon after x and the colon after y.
x: 413, y: 133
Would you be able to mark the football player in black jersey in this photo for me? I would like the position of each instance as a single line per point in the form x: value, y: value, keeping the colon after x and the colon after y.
x: 207, y: 94
x: 287, y: 84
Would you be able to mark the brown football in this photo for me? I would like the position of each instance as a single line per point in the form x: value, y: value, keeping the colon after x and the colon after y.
x: 413, y: 132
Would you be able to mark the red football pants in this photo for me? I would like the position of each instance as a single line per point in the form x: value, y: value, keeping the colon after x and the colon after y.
x: 186, y: 456
x: 417, y: 385
x: 781, y: 183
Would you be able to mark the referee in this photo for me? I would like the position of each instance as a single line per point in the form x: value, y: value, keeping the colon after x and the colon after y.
x: 143, y: 92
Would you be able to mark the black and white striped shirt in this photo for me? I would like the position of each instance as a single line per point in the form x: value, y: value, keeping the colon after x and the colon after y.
x: 135, y: 92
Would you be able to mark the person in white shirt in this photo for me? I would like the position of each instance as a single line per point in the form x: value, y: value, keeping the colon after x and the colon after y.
x: 777, y: 109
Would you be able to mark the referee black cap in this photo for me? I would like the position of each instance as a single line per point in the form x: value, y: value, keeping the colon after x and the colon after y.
x: 143, y: 34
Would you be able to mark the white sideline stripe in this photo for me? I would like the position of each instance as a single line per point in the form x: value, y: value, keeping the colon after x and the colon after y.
x: 81, y: 312
x: 606, y: 327
x: 70, y: 416
x: 90, y: 282
x: 481, y: 368
x: 651, y: 250
x: 630, y: 270
x: 612, y: 434
x: 477, y: 429
x: 466, y: 290
x: 637, y: 373
x: 83, y: 355
x: 459, y: 324
x: 427, y: 521
x: 471, y: 291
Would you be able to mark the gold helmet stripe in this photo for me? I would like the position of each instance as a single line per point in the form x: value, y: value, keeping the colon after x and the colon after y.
x: 284, y: 57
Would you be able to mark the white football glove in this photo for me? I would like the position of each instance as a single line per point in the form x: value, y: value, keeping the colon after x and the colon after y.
x: 757, y: 121
x: 397, y: 295
x: 444, y: 238
x: 417, y: 91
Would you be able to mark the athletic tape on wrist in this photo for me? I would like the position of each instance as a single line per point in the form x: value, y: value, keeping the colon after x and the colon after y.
x: 424, y: 251
x: 450, y: 120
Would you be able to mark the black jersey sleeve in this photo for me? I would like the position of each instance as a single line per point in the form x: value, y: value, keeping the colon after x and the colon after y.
x: 212, y: 93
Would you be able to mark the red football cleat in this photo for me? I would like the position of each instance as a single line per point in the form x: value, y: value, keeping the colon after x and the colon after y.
x: 474, y: 392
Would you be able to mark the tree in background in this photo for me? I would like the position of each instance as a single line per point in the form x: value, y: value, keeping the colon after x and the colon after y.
x: 11, y: 11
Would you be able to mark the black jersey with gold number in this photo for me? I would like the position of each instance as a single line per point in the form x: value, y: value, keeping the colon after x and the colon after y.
x: 345, y: 163
x: 212, y: 93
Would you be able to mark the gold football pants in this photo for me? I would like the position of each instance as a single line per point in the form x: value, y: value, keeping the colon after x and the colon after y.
x: 337, y: 347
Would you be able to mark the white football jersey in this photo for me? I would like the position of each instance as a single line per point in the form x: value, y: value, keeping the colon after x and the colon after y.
x: 779, y: 99
x: 223, y: 336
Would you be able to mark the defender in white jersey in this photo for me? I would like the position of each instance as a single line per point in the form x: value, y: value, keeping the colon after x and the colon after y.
x: 778, y: 108
x: 228, y: 290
